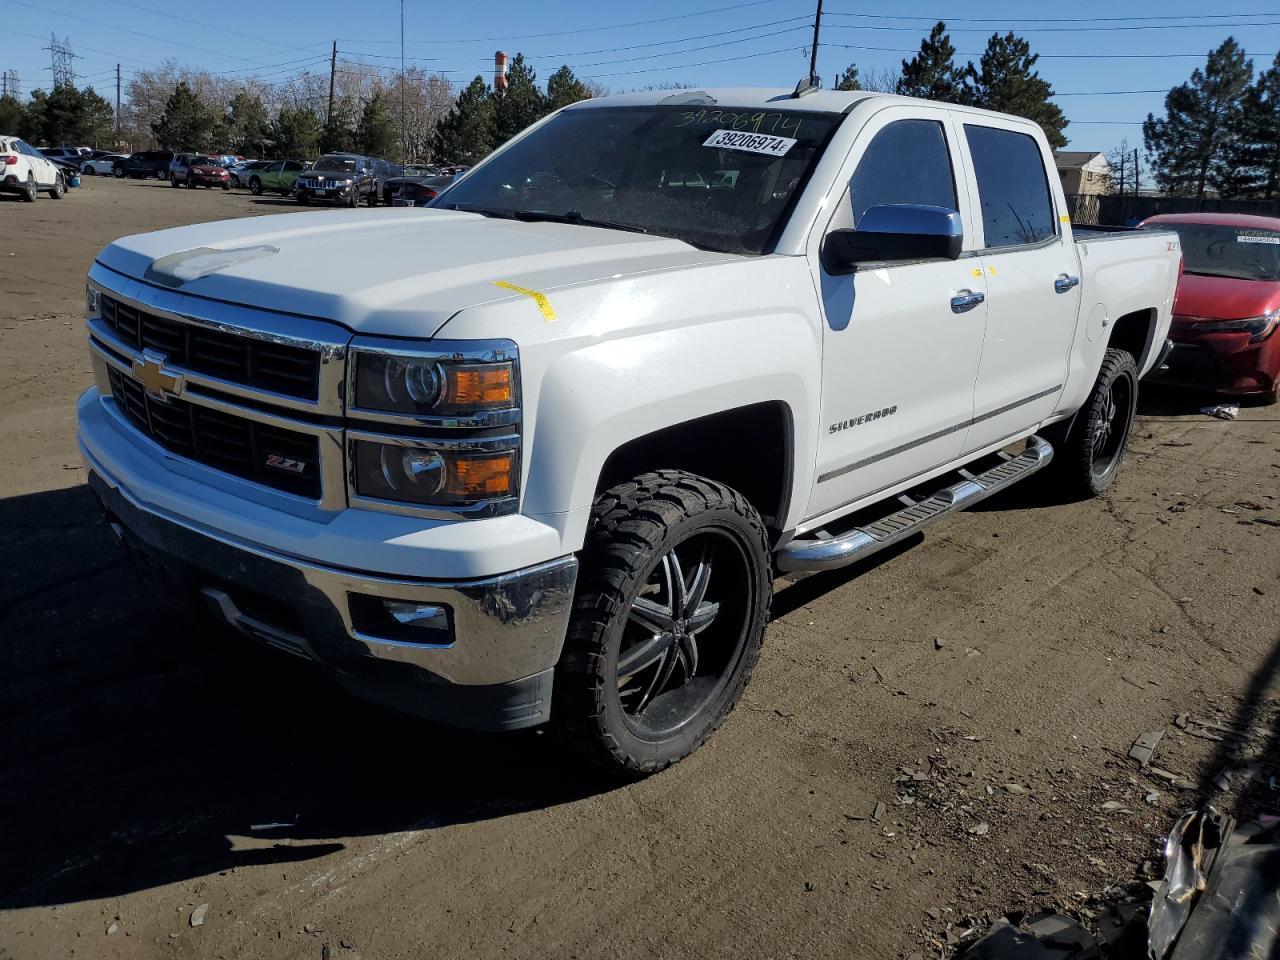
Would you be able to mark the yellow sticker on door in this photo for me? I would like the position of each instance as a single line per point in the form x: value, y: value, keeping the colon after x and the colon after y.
x: 537, y: 296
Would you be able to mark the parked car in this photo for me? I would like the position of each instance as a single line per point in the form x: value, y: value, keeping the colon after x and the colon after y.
x: 541, y: 459
x: 239, y: 171
x: 205, y: 171
x: 343, y: 178
x: 62, y: 153
x: 399, y: 174
x: 277, y: 176
x: 420, y: 192
x: 147, y: 163
x: 101, y: 166
x: 1228, y: 304
x: 179, y: 167
x: 24, y: 170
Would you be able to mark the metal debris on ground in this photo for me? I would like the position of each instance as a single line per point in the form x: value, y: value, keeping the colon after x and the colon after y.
x: 1046, y: 936
x: 1223, y: 411
x: 1189, y: 851
x: 1144, y: 747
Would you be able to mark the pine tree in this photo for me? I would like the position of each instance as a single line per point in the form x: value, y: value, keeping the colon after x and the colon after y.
x: 1189, y: 147
x: 465, y: 135
x: 187, y: 122
x: 376, y: 133
x: 563, y: 88
x: 1253, y: 151
x: 520, y: 104
x: 932, y: 73
x: 10, y: 112
x: 849, y: 79
x: 338, y: 135
x: 1005, y: 80
x: 247, y: 125
x: 296, y: 134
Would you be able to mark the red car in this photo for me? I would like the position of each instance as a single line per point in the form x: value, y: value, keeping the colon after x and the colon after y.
x: 207, y: 172
x: 1227, y: 306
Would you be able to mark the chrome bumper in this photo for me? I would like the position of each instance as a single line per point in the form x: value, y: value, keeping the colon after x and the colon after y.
x: 490, y: 668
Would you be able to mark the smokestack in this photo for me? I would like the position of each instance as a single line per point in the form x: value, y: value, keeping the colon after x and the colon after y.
x: 500, y: 72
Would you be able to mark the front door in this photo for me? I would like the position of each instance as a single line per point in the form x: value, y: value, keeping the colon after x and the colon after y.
x: 899, y: 356
x: 1033, y: 282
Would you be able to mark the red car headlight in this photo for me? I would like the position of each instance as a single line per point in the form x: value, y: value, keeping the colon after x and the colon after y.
x: 1258, y: 328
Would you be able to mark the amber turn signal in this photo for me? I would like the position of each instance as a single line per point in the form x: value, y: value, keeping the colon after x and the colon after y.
x: 478, y: 385
x: 482, y: 477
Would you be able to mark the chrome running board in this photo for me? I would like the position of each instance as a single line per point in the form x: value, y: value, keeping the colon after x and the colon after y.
x: 860, y: 542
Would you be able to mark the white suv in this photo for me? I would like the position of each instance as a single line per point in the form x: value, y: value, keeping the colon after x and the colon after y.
x: 25, y: 171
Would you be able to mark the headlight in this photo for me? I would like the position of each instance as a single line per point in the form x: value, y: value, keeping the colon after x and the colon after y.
x: 92, y: 301
x: 432, y: 477
x: 395, y: 383
x: 1258, y: 328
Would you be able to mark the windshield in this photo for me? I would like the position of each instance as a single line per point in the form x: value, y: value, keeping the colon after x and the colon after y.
x: 203, y: 162
x: 1243, y: 253
x: 413, y: 170
x: 335, y: 164
x: 723, y: 179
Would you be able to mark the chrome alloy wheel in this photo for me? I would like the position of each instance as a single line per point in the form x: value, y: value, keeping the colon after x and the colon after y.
x: 684, y: 632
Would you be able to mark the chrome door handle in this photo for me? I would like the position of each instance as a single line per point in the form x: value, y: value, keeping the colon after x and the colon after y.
x: 1064, y: 283
x: 965, y: 301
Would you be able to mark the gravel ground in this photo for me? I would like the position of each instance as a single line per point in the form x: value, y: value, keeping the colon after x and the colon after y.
x: 929, y: 741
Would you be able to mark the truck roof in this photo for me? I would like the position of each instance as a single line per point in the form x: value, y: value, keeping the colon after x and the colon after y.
x: 770, y: 98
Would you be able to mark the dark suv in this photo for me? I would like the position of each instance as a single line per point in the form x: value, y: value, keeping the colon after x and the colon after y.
x: 344, y: 178
x: 149, y: 163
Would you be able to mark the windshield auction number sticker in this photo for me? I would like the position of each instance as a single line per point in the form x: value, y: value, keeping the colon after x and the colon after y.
x: 1257, y: 236
x: 750, y: 142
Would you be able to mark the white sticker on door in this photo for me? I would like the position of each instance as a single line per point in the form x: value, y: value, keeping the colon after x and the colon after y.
x: 750, y: 142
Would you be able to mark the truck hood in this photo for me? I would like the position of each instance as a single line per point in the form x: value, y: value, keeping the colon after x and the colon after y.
x: 1223, y: 298
x: 395, y: 272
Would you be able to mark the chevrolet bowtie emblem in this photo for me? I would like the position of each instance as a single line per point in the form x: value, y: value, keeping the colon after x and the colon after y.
x: 150, y: 372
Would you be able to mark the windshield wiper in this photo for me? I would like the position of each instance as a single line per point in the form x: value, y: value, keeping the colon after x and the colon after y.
x: 576, y: 218
x: 483, y: 211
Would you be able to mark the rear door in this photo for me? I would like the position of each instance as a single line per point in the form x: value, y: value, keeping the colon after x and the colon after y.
x: 1032, y: 278
x: 899, y: 359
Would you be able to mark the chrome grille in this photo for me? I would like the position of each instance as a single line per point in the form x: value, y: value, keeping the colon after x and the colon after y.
x: 280, y: 368
x: 233, y: 444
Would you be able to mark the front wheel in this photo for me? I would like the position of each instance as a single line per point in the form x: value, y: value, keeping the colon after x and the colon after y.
x: 173, y: 180
x: 668, y: 620
x: 59, y: 188
x: 1090, y: 448
x: 118, y: 172
x: 30, y: 191
x: 255, y: 186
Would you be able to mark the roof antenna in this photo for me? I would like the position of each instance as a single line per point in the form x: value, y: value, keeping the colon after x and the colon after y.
x: 806, y: 86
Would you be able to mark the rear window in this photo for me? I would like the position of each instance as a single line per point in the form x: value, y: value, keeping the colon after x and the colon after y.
x: 1241, y: 253
x: 1012, y: 187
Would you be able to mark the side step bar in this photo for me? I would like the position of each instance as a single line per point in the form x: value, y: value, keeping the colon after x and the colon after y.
x: 863, y: 541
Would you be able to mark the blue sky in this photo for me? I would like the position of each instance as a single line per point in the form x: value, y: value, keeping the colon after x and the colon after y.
x: 701, y: 42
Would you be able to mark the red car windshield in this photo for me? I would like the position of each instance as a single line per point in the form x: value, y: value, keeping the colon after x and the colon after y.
x: 1242, y: 253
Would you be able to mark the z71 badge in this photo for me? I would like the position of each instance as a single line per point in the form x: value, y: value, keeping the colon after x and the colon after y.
x: 865, y: 418
x: 287, y: 464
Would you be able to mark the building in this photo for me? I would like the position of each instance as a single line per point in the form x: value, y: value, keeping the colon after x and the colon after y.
x: 1084, y: 172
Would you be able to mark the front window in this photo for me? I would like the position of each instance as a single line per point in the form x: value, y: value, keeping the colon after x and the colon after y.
x: 722, y: 179
x: 335, y: 165
x: 203, y: 162
x: 1242, y: 253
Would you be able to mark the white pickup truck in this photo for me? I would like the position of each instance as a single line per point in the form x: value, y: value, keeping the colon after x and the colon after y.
x: 534, y: 454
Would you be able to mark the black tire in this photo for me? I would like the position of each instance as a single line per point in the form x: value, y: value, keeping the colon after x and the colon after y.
x: 31, y: 191
x: 118, y: 172
x: 642, y: 721
x: 173, y: 180
x: 372, y: 199
x: 255, y: 186
x: 59, y: 188
x: 354, y: 199
x: 1088, y: 448
x: 303, y: 199
x: 225, y: 185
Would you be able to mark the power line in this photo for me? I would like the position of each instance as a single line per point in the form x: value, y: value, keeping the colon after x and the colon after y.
x: 950, y: 19
x: 209, y: 26
x: 566, y: 33
x: 1165, y: 26
x: 1051, y: 56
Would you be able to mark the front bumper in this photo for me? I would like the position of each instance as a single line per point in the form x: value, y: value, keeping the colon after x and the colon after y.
x: 203, y: 180
x: 491, y: 668
x: 1223, y: 363
x: 329, y: 195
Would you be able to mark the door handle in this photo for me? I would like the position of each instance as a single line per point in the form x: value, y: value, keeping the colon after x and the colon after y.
x: 966, y: 300
x: 1064, y: 283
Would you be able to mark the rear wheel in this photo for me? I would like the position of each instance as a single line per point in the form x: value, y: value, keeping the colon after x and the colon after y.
x: 255, y: 186
x: 1089, y: 449
x: 669, y: 616
x: 118, y: 172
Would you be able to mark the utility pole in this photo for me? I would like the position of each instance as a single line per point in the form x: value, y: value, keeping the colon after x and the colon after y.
x: 404, y: 144
x: 333, y: 69
x: 813, y: 51
x: 117, y: 101
x: 1135, y: 172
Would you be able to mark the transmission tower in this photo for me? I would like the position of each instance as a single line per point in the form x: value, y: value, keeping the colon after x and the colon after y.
x: 9, y: 83
x: 64, y: 67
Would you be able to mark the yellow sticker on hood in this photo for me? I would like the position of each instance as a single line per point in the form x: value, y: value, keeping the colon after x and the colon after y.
x: 538, y: 297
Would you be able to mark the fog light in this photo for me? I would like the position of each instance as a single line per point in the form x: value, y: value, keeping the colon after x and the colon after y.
x: 425, y: 615
x: 383, y: 620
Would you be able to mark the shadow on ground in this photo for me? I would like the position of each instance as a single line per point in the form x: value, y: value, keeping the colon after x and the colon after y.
x: 138, y: 745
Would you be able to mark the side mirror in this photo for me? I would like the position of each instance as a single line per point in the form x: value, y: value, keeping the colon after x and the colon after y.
x: 895, y: 232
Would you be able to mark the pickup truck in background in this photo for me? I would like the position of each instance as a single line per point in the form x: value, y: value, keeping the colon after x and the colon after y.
x: 534, y: 454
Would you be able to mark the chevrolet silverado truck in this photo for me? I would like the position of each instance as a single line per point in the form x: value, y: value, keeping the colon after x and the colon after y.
x: 534, y: 454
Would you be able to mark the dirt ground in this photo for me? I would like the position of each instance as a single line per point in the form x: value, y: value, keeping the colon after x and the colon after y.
x: 928, y: 741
